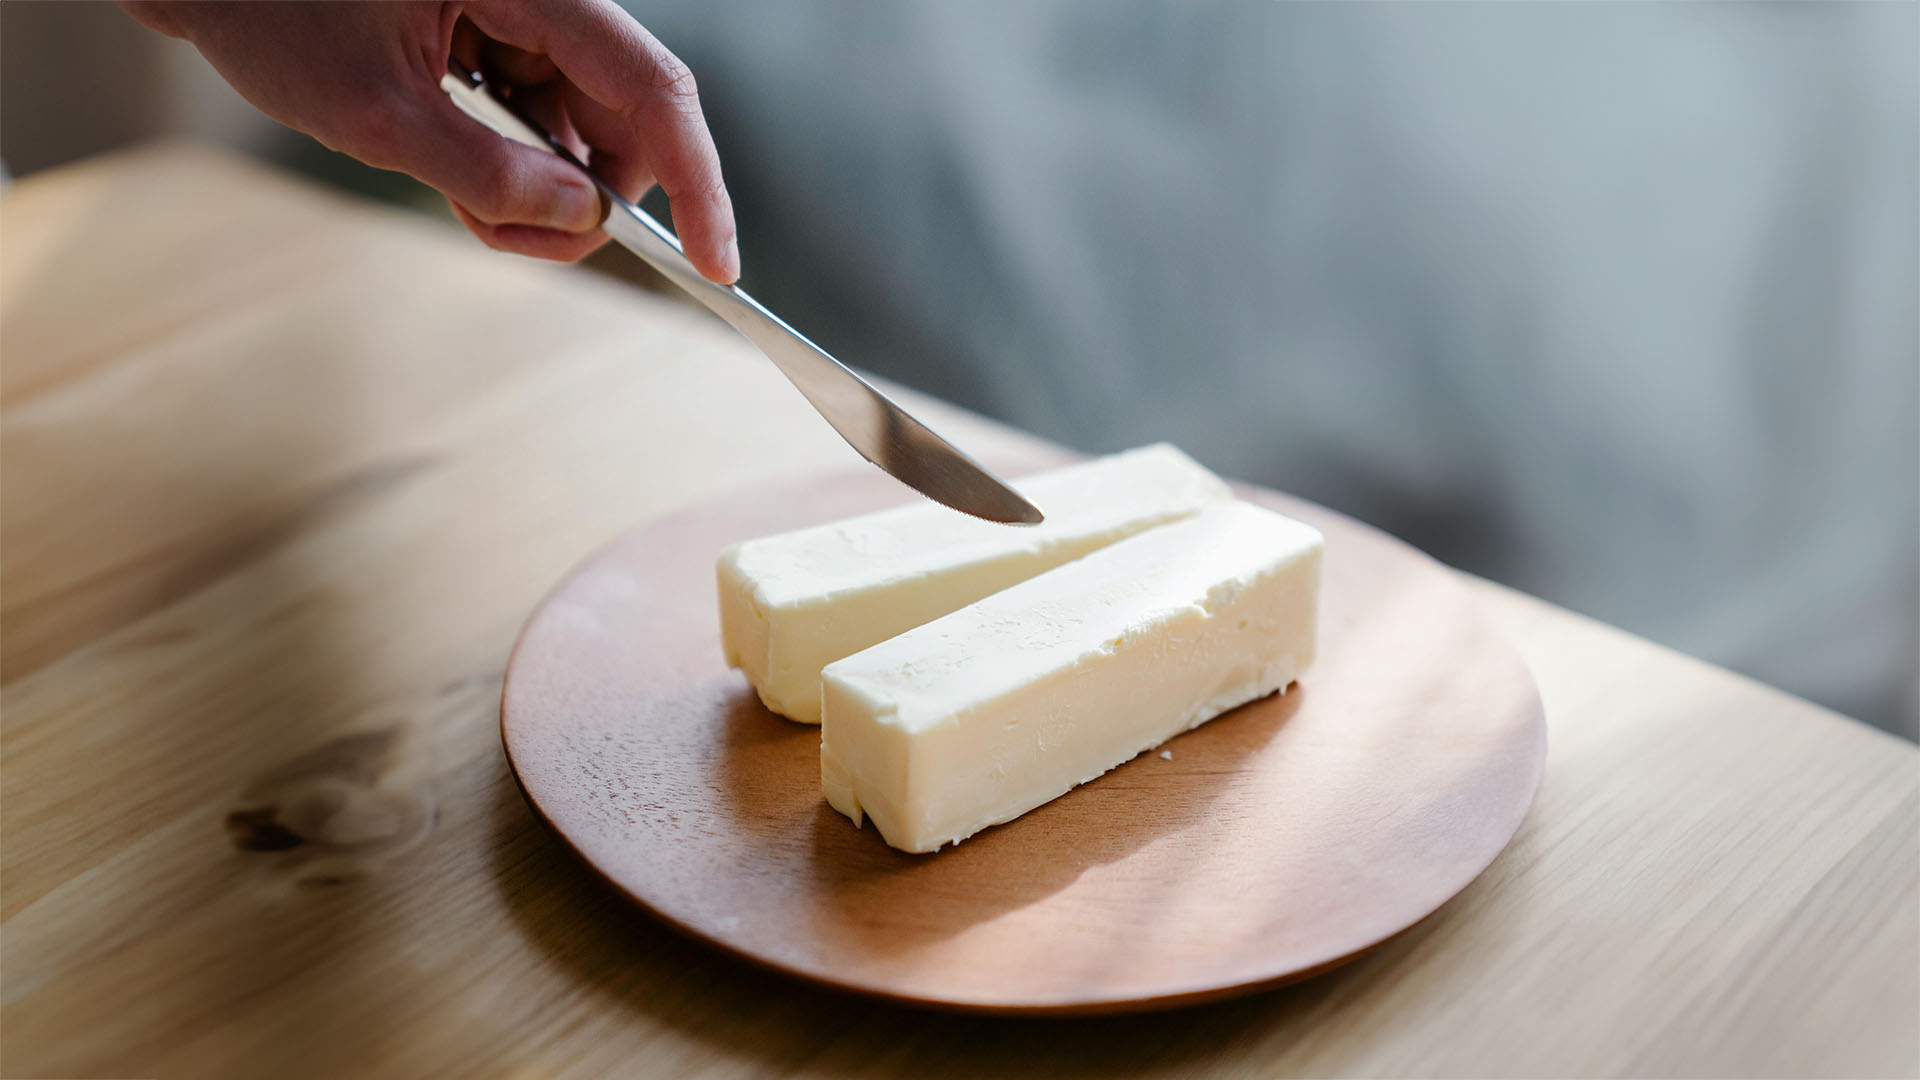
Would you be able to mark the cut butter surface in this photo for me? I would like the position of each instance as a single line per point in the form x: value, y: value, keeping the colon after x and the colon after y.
x: 979, y: 716
x: 793, y: 603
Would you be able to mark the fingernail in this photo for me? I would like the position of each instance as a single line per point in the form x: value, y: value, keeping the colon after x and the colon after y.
x: 575, y: 209
x: 730, y: 260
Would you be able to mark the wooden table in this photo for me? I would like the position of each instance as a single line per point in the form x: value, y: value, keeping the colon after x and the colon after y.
x: 284, y: 473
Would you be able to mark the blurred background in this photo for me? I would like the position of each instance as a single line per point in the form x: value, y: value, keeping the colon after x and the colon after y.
x: 1615, y: 304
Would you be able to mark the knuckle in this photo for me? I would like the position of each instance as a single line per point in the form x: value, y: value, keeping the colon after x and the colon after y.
x: 512, y: 192
x: 674, y: 80
x: 513, y: 198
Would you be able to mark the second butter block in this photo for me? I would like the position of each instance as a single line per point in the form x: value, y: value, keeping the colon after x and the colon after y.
x: 792, y: 604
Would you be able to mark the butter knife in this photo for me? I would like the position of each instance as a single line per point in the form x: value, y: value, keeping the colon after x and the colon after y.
x: 881, y: 431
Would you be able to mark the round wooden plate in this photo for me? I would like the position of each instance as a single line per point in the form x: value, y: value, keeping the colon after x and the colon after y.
x: 1276, y: 841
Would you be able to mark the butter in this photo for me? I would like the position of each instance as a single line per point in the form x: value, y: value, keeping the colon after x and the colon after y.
x: 792, y: 604
x: 975, y: 718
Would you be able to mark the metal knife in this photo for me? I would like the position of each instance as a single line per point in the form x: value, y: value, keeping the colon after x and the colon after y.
x: 881, y: 431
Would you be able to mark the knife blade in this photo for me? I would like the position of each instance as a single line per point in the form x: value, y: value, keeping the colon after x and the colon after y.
x: 872, y: 424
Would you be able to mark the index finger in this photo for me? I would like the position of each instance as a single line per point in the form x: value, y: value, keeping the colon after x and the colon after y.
x: 613, y: 60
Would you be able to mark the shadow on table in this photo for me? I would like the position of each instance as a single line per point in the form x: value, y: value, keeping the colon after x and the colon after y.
x: 778, y: 1023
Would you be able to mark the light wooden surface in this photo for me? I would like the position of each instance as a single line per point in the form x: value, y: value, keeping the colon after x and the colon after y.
x: 1283, y: 838
x: 282, y: 477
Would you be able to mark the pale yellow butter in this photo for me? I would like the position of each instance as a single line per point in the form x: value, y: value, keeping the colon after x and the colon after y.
x: 975, y: 718
x: 793, y: 603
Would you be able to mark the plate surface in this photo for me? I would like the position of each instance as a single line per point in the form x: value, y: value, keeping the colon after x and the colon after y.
x: 1280, y: 839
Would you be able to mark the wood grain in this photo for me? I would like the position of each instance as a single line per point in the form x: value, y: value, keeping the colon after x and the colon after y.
x: 280, y: 478
x: 1281, y: 839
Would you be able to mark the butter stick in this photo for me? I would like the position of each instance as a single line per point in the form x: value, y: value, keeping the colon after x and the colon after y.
x: 975, y: 718
x: 792, y: 604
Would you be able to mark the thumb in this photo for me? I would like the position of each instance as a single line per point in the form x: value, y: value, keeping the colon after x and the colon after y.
x: 497, y: 180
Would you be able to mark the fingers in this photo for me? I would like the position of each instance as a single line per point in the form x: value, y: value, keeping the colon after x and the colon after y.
x: 680, y: 153
x: 515, y: 65
x: 618, y: 65
x: 546, y: 105
x: 616, y: 154
x: 581, y: 123
x: 539, y: 90
x: 531, y: 240
x: 499, y: 182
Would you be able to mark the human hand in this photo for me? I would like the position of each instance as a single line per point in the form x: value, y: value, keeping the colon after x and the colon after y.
x: 364, y: 79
